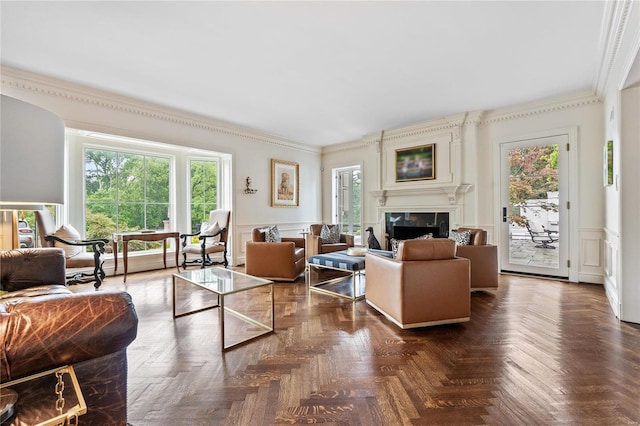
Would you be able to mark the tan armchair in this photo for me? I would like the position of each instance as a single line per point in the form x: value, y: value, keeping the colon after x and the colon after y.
x: 425, y: 285
x: 484, y: 260
x: 277, y: 261
x: 316, y: 246
x: 76, y: 256
x: 209, y: 241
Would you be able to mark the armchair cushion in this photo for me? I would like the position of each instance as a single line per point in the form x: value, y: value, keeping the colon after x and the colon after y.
x: 211, y: 229
x: 71, y: 234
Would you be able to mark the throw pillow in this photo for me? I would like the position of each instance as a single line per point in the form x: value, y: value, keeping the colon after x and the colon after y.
x: 461, y: 238
x: 210, y: 229
x: 395, y: 243
x: 272, y: 234
x: 330, y: 235
x: 71, y: 234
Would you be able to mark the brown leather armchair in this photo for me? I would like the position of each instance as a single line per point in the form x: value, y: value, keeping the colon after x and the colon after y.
x: 45, y: 326
x: 484, y: 260
x: 425, y: 285
x: 277, y: 261
x: 316, y: 246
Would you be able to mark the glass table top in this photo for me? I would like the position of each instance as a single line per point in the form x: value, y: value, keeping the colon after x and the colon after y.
x: 222, y: 281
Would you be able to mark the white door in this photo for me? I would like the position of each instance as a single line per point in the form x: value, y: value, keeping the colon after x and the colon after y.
x: 534, y: 194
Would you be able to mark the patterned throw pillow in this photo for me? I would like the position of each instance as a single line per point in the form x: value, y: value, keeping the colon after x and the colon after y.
x: 395, y: 243
x: 461, y: 238
x: 210, y: 229
x: 330, y: 235
x: 272, y: 234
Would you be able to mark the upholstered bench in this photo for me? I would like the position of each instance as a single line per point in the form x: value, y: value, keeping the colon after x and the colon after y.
x: 330, y: 273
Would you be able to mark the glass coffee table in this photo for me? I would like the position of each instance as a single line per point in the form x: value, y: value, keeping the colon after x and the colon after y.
x: 225, y: 282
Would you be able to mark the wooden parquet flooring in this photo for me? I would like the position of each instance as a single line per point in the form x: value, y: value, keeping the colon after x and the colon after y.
x: 536, y: 352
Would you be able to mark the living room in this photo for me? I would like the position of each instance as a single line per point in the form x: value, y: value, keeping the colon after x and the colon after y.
x: 467, y: 147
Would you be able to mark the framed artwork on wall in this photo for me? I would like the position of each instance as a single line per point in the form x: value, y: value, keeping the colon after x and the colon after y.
x: 284, y: 183
x: 608, y: 163
x: 416, y: 163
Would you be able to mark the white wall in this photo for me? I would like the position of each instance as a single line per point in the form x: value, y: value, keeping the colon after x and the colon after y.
x: 620, y: 118
x: 466, y: 184
x: 93, y: 110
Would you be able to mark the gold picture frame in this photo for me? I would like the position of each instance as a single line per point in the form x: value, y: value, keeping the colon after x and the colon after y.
x: 285, y: 183
x: 416, y: 163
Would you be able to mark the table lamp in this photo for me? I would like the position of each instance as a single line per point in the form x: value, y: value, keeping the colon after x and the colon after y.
x: 31, y: 160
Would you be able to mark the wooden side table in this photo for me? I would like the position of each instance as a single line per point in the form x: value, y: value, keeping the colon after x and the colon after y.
x: 125, y: 237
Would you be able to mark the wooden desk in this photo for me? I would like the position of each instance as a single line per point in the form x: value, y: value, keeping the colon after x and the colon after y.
x: 125, y: 237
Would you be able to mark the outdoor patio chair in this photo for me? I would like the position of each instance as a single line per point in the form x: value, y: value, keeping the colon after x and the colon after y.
x: 541, y: 236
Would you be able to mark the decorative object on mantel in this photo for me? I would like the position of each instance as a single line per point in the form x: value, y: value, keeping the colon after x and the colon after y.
x: 372, y: 241
x: 248, y: 189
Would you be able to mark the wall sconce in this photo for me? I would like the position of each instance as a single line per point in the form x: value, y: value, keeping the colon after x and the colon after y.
x: 248, y: 189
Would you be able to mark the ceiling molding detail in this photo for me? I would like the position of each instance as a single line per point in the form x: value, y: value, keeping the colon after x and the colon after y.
x: 29, y: 82
x: 542, y: 108
x: 614, y: 23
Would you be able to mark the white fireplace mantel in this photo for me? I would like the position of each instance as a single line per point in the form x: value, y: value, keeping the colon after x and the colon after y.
x: 451, y: 191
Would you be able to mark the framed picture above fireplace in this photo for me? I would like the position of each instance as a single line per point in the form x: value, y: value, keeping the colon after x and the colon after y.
x: 416, y: 163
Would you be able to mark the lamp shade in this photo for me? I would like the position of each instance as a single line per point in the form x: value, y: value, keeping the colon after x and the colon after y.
x: 31, y: 156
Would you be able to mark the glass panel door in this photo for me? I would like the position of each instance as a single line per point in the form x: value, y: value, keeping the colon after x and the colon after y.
x: 534, y: 186
x: 347, y: 205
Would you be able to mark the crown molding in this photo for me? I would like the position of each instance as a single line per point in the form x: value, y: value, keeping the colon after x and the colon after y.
x: 14, y: 79
x: 537, y: 108
x: 614, y: 23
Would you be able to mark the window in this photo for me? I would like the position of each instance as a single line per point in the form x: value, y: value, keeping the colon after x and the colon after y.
x: 125, y: 191
x: 347, y: 205
x: 203, y: 182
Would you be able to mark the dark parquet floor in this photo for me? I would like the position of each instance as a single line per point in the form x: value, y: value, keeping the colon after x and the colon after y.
x: 536, y: 352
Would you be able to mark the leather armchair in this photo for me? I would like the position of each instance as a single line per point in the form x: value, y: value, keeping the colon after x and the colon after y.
x: 44, y: 325
x: 314, y: 244
x: 484, y: 260
x: 277, y: 261
x: 425, y: 285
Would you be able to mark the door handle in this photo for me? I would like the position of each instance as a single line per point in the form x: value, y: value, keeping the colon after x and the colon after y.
x: 504, y: 214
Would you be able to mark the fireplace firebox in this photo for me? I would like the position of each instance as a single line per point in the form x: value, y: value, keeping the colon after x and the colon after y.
x: 407, y: 225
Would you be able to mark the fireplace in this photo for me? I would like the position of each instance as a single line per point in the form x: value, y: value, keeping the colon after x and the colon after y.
x: 407, y: 225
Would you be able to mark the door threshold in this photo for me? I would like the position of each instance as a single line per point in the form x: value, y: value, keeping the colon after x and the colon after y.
x: 530, y: 274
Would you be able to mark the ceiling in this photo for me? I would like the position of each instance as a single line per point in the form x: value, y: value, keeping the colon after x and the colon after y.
x: 316, y: 73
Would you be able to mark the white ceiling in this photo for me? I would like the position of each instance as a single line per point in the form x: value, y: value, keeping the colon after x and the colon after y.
x: 317, y: 73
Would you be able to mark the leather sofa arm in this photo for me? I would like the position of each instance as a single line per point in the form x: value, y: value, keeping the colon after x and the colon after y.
x: 25, y: 268
x: 53, y: 330
x: 298, y: 241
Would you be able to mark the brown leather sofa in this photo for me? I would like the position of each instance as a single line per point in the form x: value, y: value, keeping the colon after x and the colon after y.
x: 45, y: 326
x: 316, y: 246
x: 277, y: 261
x: 425, y: 285
x: 484, y: 260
